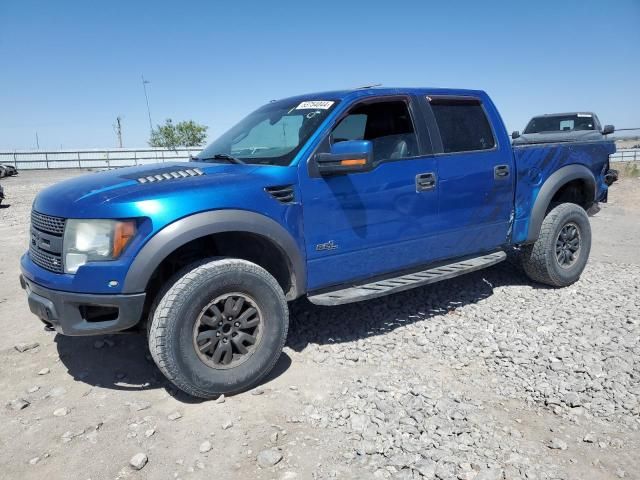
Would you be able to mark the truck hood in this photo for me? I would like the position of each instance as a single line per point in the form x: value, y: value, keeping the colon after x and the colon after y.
x: 110, y: 194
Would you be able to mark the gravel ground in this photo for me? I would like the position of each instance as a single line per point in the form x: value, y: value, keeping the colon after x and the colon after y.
x: 487, y: 376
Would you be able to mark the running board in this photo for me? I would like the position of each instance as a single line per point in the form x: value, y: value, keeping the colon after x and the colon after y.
x: 358, y: 293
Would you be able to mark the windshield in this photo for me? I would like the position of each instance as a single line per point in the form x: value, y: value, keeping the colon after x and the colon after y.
x: 561, y: 123
x: 272, y: 135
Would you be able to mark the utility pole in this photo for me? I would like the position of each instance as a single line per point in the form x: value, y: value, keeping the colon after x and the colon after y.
x: 118, y: 128
x: 37, y: 142
x: 146, y: 97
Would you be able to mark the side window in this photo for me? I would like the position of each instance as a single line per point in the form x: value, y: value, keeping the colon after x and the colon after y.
x: 350, y: 128
x: 463, y: 125
x: 387, y: 125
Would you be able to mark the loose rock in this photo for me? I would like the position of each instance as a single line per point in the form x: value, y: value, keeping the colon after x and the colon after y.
x: 61, y: 412
x: 269, y: 458
x: 25, y: 346
x: 18, y: 404
x: 138, y: 461
x: 557, y: 444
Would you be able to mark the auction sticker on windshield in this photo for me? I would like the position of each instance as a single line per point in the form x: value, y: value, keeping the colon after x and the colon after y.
x: 315, y: 104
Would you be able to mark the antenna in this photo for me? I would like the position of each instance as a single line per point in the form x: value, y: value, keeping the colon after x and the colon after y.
x: 373, y: 85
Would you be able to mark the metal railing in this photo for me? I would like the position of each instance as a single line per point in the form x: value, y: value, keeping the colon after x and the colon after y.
x: 93, y: 158
x: 625, y: 155
x: 125, y: 157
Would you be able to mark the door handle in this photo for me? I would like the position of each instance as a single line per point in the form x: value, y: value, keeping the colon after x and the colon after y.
x: 425, y: 182
x: 500, y: 172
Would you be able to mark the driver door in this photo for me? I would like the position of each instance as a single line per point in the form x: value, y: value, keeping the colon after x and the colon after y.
x: 359, y: 225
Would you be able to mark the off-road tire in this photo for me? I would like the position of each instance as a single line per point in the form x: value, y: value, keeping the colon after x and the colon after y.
x: 539, y: 260
x: 171, y: 330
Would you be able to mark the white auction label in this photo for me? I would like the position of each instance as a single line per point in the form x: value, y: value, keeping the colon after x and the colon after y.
x: 315, y: 104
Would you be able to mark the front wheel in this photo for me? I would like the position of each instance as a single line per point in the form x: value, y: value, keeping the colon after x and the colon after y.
x: 219, y: 328
x: 560, y: 253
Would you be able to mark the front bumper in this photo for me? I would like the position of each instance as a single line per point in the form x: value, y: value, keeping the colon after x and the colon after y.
x: 81, y: 313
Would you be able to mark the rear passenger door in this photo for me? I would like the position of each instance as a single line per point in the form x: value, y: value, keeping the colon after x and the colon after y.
x: 475, y: 174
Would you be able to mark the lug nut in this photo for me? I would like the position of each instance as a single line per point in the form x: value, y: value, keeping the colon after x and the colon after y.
x: 237, y: 324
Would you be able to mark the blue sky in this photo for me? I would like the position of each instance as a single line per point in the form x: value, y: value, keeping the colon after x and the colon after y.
x: 70, y: 68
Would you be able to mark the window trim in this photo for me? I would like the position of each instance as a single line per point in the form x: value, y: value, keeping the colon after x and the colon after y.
x: 433, y: 123
x: 424, y: 136
x: 413, y: 115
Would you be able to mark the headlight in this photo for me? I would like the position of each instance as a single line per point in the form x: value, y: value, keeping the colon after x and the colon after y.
x: 94, y: 240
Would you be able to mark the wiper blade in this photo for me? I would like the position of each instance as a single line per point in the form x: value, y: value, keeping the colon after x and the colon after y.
x: 223, y: 156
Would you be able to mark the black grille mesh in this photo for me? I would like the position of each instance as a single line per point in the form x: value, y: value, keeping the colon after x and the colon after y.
x: 53, y: 226
x: 48, y: 224
x: 46, y: 260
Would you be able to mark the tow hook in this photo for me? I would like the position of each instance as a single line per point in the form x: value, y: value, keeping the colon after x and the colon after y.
x: 611, y: 176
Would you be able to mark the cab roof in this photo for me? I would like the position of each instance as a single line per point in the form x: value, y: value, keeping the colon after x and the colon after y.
x: 375, y: 91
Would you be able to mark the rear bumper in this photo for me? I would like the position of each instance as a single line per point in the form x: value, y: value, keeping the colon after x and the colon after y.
x: 81, y: 313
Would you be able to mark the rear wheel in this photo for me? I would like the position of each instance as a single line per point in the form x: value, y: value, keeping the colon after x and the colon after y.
x: 219, y: 328
x: 560, y: 253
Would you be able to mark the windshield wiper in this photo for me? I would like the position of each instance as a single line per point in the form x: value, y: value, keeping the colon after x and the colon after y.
x: 221, y: 156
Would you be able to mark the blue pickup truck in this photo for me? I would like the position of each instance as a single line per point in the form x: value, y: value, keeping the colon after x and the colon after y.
x: 336, y: 196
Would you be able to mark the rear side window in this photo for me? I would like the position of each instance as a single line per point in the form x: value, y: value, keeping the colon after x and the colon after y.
x: 463, y: 124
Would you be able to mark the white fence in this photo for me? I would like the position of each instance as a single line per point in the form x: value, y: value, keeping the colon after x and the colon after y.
x: 95, y: 158
x: 125, y: 157
x: 626, y: 155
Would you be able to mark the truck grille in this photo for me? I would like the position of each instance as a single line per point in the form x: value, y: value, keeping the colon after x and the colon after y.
x: 48, y: 228
x: 46, y: 260
x: 45, y: 223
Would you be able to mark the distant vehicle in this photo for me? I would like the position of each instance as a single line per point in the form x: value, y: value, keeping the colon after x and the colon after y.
x: 562, y: 127
x: 337, y: 196
x: 8, y: 171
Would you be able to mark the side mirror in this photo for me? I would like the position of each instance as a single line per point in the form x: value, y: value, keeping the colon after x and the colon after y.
x: 515, y: 135
x: 608, y: 129
x: 352, y: 156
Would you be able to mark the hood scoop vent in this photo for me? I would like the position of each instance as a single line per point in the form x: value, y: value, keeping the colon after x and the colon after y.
x: 283, y: 193
x: 163, y: 175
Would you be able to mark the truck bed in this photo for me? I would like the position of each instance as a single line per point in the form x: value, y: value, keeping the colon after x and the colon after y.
x: 536, y: 163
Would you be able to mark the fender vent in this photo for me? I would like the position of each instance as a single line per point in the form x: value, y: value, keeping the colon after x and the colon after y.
x: 282, y: 193
x: 170, y: 175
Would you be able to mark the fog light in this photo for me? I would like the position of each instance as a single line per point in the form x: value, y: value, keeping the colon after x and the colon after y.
x: 73, y: 261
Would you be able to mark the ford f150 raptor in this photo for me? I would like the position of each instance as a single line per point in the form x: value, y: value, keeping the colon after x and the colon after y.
x: 337, y: 196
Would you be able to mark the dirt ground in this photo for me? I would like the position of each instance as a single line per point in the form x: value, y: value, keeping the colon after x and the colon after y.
x: 93, y: 403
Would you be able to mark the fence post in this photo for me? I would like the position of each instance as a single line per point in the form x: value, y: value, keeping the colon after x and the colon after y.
x: 108, y: 164
x: 46, y: 159
x: 79, y: 164
x: 162, y: 155
x: 15, y: 160
x: 135, y: 158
